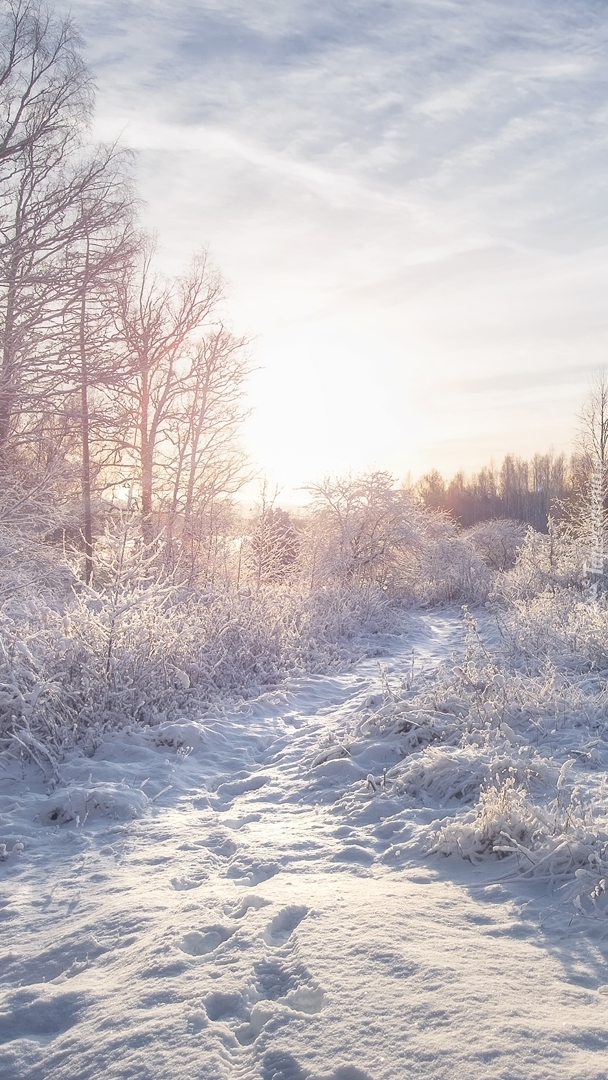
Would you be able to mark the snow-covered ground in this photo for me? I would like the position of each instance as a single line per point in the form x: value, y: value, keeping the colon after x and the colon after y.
x: 252, y: 896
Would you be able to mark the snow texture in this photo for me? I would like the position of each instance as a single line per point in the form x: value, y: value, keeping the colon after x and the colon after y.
x: 265, y: 894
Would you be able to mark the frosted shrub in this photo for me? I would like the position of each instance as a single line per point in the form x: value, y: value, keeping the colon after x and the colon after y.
x: 447, y: 569
x: 553, y: 842
x: 144, y: 649
x: 504, y: 822
x: 358, y: 529
x: 542, y: 607
x: 364, y: 532
x: 140, y: 645
x: 331, y: 614
x: 545, y: 564
x: 497, y: 542
x: 572, y: 632
x: 32, y: 514
x: 507, y: 758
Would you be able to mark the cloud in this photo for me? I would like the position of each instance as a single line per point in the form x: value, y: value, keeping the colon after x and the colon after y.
x: 444, y: 100
x: 429, y: 175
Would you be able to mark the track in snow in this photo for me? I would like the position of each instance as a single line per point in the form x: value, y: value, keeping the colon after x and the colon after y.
x: 250, y: 926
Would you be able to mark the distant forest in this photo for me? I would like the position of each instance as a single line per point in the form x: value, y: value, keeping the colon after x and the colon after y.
x: 527, y: 491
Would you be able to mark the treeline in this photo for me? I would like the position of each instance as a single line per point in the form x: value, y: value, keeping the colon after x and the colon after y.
x: 529, y: 491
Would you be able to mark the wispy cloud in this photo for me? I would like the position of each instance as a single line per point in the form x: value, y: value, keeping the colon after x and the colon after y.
x: 427, y: 176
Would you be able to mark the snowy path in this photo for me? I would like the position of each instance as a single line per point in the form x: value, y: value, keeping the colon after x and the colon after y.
x: 258, y: 921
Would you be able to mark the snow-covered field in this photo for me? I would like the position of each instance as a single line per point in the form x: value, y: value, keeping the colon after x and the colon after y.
x: 256, y: 895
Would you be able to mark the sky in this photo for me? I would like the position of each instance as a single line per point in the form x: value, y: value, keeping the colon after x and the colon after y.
x: 407, y: 201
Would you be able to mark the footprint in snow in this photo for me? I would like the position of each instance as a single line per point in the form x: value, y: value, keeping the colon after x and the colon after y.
x: 280, y: 1065
x: 292, y: 986
x: 223, y: 1006
x: 355, y: 854
x: 280, y: 929
x: 67, y: 959
x: 233, y: 788
x: 247, y: 902
x: 253, y: 874
x: 240, y: 822
x: 220, y: 844
x: 181, y: 884
x: 31, y: 1015
x: 274, y: 980
x: 207, y: 940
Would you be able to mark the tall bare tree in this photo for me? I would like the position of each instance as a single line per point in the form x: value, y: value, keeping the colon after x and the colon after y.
x: 45, y: 105
x: 593, y: 513
x: 91, y: 358
x: 208, y: 461
x: 183, y: 404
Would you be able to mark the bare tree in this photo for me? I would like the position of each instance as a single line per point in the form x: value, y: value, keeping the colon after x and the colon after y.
x: 364, y: 523
x: 91, y: 358
x: 209, y: 410
x: 54, y: 198
x: 432, y: 490
x: 45, y: 103
x: 592, y: 513
x: 593, y: 422
x: 183, y: 404
x: 45, y: 87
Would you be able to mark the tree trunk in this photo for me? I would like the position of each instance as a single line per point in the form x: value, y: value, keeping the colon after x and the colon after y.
x: 85, y: 430
x: 146, y: 453
x: 8, y: 387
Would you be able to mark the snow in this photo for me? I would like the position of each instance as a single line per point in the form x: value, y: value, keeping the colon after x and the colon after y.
x: 256, y: 895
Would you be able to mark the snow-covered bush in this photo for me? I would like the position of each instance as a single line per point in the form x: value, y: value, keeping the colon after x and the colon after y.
x: 506, y: 757
x: 564, y: 627
x: 497, y: 542
x: 359, y: 528
x: 33, y: 516
x: 446, y: 568
x: 364, y: 531
x: 137, y: 645
x: 272, y: 554
x: 545, y: 564
x: 542, y: 607
x: 552, y: 841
